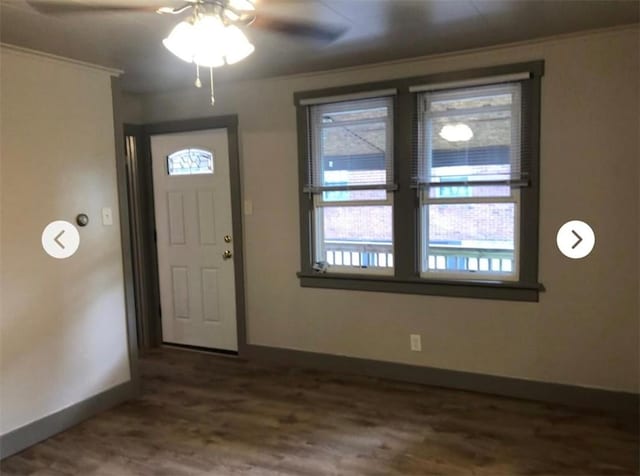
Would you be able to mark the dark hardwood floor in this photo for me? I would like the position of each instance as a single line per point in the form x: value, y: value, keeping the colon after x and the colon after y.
x: 206, y: 415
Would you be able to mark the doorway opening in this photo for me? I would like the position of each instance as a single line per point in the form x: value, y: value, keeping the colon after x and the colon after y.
x: 184, y: 193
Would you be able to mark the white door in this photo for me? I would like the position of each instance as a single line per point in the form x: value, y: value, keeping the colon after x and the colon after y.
x: 192, y: 196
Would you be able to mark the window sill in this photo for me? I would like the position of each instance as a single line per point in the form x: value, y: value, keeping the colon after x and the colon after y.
x: 507, y: 291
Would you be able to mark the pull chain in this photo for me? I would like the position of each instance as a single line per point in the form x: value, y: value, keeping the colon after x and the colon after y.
x: 213, y: 100
x: 198, y: 83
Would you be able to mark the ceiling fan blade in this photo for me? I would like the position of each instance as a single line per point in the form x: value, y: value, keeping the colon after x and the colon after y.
x: 174, y: 10
x: 306, y: 29
x: 61, y: 7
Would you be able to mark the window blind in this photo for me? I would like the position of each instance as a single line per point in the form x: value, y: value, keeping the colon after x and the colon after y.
x: 471, y: 136
x: 348, y: 97
x: 351, y: 145
x: 503, y: 78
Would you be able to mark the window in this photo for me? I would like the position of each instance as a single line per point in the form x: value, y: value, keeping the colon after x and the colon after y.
x: 445, y: 190
x: 350, y: 178
x: 423, y: 185
x: 190, y: 162
x: 469, y: 177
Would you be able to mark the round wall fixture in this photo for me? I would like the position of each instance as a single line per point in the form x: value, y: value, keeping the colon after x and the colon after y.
x: 82, y: 219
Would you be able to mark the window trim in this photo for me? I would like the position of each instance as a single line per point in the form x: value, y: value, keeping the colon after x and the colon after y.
x: 315, y: 168
x: 406, y: 278
x: 424, y: 102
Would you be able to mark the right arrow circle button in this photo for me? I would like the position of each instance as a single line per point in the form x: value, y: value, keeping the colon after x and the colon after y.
x: 575, y: 239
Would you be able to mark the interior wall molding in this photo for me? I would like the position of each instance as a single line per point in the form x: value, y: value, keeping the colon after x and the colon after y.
x: 624, y: 405
x: 125, y: 229
x: 60, y: 59
x: 32, y: 433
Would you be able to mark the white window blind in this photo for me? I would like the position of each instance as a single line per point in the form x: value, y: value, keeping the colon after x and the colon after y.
x: 464, y: 83
x: 349, y: 97
x: 471, y: 137
x: 351, y: 146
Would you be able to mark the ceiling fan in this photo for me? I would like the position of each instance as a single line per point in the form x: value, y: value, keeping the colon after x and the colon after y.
x: 237, y: 12
x: 212, y: 35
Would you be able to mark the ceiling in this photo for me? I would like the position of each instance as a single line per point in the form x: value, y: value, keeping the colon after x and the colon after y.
x: 378, y: 30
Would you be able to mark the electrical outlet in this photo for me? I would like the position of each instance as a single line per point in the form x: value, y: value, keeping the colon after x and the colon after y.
x: 415, y: 342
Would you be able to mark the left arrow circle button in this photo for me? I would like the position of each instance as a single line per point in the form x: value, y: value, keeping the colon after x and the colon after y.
x: 60, y: 239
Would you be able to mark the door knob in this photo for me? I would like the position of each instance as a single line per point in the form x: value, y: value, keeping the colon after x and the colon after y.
x: 227, y: 238
x: 227, y: 254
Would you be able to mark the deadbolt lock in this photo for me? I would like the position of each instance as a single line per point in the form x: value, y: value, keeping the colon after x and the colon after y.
x: 227, y: 238
x: 227, y: 254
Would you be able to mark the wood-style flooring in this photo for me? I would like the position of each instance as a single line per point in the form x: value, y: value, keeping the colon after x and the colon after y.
x: 201, y: 414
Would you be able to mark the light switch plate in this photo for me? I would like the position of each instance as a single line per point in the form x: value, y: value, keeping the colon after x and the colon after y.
x: 107, y: 216
x: 415, y: 342
x: 248, y: 207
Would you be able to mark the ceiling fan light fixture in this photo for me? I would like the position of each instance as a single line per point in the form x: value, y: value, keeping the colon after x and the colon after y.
x: 180, y: 41
x: 207, y: 40
x: 238, y: 46
x: 456, y: 132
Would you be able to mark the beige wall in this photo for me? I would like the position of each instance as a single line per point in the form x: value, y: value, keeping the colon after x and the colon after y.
x: 131, y: 109
x: 62, y: 322
x: 584, y: 330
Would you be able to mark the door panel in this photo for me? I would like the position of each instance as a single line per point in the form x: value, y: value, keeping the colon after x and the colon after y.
x: 176, y: 218
x: 206, y: 217
x: 211, y: 310
x: 193, y: 215
x: 180, y: 281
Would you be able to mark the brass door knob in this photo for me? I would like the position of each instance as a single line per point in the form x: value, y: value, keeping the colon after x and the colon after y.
x: 227, y: 238
x: 227, y: 254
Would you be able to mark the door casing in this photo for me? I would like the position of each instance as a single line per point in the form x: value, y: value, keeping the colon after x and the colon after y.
x: 143, y: 232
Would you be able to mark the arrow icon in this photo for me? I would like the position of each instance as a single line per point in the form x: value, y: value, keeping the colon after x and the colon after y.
x: 57, y: 239
x: 60, y: 239
x: 577, y: 242
x: 572, y: 234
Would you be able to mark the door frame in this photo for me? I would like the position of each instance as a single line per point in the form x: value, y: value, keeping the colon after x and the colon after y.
x: 143, y: 230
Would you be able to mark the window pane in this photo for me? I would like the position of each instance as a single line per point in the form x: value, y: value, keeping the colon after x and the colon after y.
x: 355, y: 236
x: 485, y: 97
x: 354, y: 155
x: 190, y: 162
x: 349, y: 195
x: 484, y: 156
x: 355, y: 145
x: 474, y: 133
x: 352, y: 146
x: 354, y: 111
x: 469, y: 238
x: 459, y: 189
